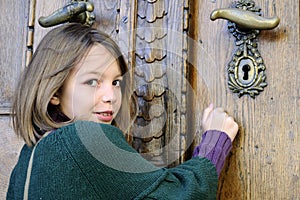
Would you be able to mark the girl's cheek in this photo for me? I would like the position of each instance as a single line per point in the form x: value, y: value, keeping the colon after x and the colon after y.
x: 119, y: 100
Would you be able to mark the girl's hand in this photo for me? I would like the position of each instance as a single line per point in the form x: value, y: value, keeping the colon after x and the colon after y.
x: 218, y: 119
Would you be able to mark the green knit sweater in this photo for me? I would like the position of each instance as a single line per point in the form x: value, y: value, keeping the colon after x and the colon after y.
x: 87, y: 160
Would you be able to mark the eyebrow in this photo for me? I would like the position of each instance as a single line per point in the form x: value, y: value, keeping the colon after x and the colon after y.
x: 99, y: 74
x: 91, y: 73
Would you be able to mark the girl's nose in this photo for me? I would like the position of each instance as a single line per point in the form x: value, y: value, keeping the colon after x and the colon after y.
x: 108, y: 94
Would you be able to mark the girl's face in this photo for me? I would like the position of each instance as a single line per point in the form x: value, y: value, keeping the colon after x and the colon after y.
x: 92, y: 90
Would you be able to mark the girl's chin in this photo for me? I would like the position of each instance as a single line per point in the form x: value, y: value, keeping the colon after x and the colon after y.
x: 96, y: 120
x: 104, y: 122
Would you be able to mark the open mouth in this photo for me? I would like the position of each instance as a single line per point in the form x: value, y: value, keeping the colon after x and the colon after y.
x: 106, y: 116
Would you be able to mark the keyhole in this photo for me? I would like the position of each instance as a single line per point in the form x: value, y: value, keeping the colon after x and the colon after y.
x: 246, y: 69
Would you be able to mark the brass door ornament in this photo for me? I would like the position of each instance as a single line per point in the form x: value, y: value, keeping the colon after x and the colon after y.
x: 76, y: 11
x: 246, y: 70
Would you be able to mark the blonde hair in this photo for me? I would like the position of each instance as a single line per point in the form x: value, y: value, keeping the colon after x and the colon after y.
x: 58, y: 52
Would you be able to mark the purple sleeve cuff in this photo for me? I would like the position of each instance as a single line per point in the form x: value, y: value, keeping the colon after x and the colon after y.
x: 215, y: 146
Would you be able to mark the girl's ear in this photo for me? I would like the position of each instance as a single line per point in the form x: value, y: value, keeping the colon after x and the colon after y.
x: 54, y: 100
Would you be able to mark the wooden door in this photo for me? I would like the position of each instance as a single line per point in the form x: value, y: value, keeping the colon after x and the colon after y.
x: 13, y: 23
x: 265, y: 160
x: 178, y: 59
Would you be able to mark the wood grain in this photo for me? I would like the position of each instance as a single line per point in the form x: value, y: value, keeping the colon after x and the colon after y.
x: 13, y: 23
x: 105, y: 12
x: 13, y: 30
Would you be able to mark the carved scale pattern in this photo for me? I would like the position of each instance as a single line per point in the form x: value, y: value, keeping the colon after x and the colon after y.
x: 158, y: 119
x: 150, y: 79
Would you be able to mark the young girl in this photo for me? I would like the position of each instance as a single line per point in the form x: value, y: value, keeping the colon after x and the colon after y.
x: 70, y: 101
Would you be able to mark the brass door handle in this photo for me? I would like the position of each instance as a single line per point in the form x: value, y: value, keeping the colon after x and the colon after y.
x: 76, y: 11
x: 245, y: 19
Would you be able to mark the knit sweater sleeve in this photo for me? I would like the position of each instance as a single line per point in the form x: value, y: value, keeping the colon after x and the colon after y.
x: 215, y: 146
x: 193, y: 179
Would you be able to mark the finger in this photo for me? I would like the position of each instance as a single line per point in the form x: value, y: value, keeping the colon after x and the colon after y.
x: 218, y: 119
x: 230, y: 127
x: 219, y: 110
x: 207, y: 111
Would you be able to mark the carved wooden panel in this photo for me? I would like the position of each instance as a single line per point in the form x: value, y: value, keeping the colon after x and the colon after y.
x: 157, y: 127
x: 150, y: 70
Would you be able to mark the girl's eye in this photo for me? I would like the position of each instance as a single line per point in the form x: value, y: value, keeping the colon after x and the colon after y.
x: 117, y: 83
x: 92, y: 82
